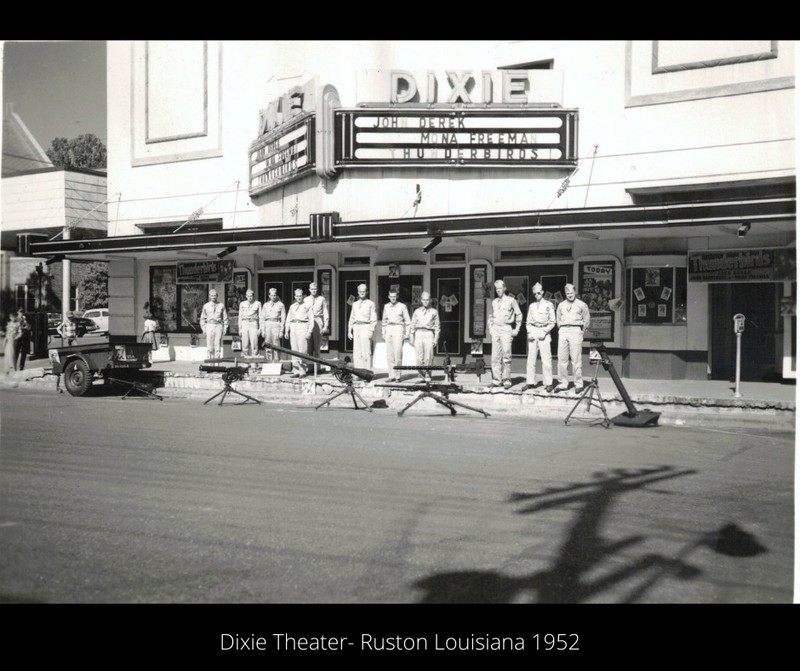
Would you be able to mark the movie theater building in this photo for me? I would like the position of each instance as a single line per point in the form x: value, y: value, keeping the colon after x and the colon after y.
x: 658, y: 177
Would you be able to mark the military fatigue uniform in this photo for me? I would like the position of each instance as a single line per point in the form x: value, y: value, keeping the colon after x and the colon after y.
x: 395, y: 324
x: 248, y: 326
x: 363, y: 318
x: 573, y: 319
x: 424, y: 334
x: 299, y: 325
x: 273, y: 323
x: 504, y: 323
x: 541, y: 320
x: 319, y: 311
x: 214, y: 323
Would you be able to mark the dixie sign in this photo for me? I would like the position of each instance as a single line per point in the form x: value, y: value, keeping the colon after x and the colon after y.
x: 480, y: 87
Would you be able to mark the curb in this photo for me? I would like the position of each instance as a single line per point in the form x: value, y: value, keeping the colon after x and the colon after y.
x: 674, y: 410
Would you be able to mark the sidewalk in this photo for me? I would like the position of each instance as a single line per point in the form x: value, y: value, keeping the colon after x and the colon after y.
x: 679, y: 402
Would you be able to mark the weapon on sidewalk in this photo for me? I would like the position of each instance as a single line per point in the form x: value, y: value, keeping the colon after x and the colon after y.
x: 230, y: 374
x: 633, y: 417
x: 342, y: 370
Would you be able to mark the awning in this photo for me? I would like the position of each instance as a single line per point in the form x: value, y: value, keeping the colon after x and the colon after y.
x: 634, y: 217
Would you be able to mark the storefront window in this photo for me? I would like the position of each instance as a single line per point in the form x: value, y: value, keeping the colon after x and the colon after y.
x: 656, y: 295
x: 164, y: 296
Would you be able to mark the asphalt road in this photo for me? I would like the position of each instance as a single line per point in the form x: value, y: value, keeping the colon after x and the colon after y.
x: 139, y: 501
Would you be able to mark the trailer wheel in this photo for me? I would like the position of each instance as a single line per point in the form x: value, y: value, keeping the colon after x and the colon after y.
x: 77, y: 378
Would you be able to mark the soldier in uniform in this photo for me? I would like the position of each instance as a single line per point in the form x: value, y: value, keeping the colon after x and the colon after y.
x: 299, y: 326
x: 214, y: 323
x: 319, y: 311
x: 504, y: 324
x: 361, y: 327
x: 395, y: 324
x: 273, y: 322
x: 424, y: 333
x: 249, y: 311
x: 541, y: 320
x: 572, y: 317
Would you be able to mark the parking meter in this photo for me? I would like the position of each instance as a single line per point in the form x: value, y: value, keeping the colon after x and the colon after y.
x: 738, y: 329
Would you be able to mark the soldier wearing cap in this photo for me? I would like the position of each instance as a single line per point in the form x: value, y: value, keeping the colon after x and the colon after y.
x: 424, y: 333
x: 504, y: 324
x: 299, y: 325
x: 273, y: 322
x: 214, y: 323
x: 361, y: 327
x: 395, y: 325
x: 540, y: 321
x: 319, y: 311
x: 249, y: 314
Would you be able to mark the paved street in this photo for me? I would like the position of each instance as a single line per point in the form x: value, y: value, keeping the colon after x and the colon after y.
x: 139, y: 501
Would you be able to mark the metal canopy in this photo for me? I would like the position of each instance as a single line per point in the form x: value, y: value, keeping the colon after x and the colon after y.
x: 598, y: 219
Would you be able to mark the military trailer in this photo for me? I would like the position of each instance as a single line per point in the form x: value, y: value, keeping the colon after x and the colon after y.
x: 81, y: 364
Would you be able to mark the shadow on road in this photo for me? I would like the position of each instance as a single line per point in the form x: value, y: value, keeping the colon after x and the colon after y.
x: 585, y: 552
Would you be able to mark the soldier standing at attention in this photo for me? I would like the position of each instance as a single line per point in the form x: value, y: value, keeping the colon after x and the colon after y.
x: 319, y: 312
x: 249, y: 311
x: 273, y: 322
x: 361, y: 327
x: 395, y: 323
x: 424, y: 333
x: 572, y: 317
x: 504, y: 325
x: 541, y: 320
x: 214, y: 323
x: 299, y: 325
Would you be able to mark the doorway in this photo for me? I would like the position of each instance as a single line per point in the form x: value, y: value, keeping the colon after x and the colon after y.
x: 348, y: 293
x: 757, y: 301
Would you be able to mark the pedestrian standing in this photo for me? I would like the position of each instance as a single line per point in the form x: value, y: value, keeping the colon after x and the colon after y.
x: 424, y: 334
x: 273, y: 322
x: 249, y: 315
x: 299, y: 326
x: 504, y: 324
x: 572, y: 318
x: 539, y: 323
x: 214, y: 323
x: 361, y: 327
x: 23, y: 342
x: 319, y: 311
x: 66, y: 329
x: 150, y: 330
x: 395, y: 325
x: 11, y: 335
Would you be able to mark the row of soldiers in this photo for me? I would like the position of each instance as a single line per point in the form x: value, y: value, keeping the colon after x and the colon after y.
x: 308, y: 320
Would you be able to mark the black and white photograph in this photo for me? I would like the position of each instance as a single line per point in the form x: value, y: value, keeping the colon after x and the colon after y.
x: 613, y: 426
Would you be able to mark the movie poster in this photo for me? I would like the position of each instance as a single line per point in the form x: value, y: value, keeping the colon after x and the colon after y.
x: 596, y: 288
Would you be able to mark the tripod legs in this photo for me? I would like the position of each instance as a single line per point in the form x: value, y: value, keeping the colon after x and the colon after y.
x: 588, y: 395
x: 230, y: 390
x: 349, y: 389
x: 442, y: 400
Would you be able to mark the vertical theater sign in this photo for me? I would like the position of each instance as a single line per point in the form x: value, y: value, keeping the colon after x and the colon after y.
x: 467, y: 118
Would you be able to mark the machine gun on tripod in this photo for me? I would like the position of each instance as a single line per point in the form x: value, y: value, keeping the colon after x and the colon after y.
x: 439, y: 391
x: 342, y: 370
x: 230, y: 374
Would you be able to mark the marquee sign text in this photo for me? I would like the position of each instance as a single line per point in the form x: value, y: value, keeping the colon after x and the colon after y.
x: 454, y: 137
x: 283, y: 154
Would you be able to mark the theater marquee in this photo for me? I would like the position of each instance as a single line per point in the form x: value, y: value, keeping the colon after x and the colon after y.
x: 283, y: 154
x: 508, y: 137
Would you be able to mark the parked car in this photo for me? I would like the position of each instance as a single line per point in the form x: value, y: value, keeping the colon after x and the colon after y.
x: 100, y: 317
x: 82, y: 325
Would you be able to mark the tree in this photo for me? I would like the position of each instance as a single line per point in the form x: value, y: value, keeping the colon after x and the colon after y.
x: 84, y: 151
x: 93, y: 285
